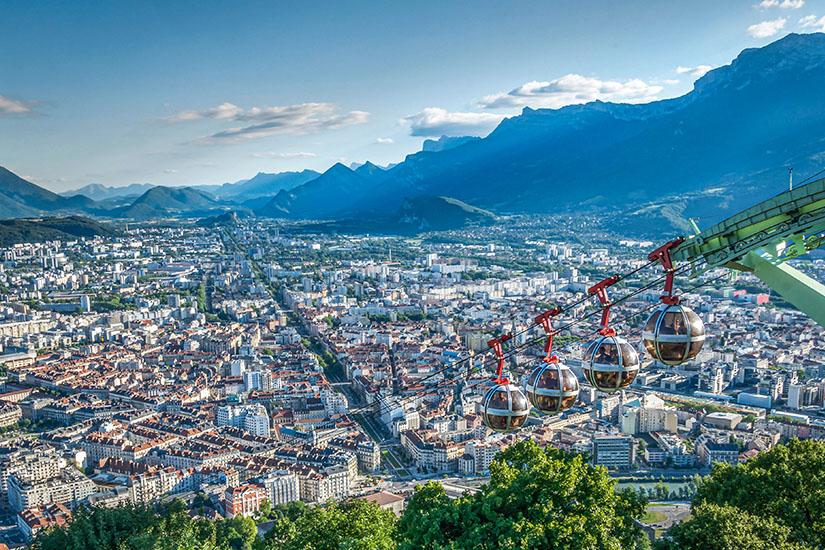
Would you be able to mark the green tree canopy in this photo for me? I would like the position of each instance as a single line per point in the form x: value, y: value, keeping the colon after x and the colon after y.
x: 715, y: 527
x: 536, y: 498
x: 141, y: 528
x: 785, y: 484
x: 353, y: 525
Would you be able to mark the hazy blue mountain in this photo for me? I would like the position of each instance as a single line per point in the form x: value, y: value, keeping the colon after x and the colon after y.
x: 369, y: 169
x: 225, y: 219
x: 100, y: 192
x: 446, y: 142
x: 19, y: 198
x: 311, y: 200
x: 262, y: 185
x: 736, y: 132
x: 434, y: 213
x: 168, y: 201
x: 415, y: 215
x: 50, y: 229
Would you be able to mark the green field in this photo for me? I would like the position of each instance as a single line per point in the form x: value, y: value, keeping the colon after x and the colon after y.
x: 652, y: 517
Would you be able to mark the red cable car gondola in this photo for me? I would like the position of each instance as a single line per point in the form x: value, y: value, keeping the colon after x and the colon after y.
x: 505, y: 407
x: 673, y: 334
x: 610, y: 363
x: 551, y: 387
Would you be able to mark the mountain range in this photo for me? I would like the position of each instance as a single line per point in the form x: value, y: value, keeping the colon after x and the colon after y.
x: 722, y: 146
x: 725, y: 144
x: 100, y: 192
x: 20, y: 198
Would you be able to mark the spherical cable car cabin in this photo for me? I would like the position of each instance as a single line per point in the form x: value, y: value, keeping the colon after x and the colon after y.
x: 673, y: 334
x: 610, y: 363
x: 505, y: 408
x: 551, y: 387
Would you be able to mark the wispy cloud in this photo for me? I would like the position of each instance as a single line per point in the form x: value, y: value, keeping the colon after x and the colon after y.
x: 262, y: 122
x: 384, y: 141
x: 434, y: 122
x: 767, y: 29
x: 697, y: 71
x: 784, y: 4
x: 813, y: 23
x: 224, y: 111
x: 9, y: 106
x: 286, y: 155
x: 572, y: 89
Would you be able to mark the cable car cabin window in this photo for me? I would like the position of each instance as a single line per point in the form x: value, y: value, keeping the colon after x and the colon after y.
x: 532, y: 380
x: 569, y: 382
x: 606, y: 354
x: 651, y: 323
x: 697, y: 327
x: 672, y: 351
x: 498, y: 400
x: 673, y: 323
x: 497, y: 422
x: 650, y: 346
x: 695, y: 348
x: 606, y: 379
x: 590, y: 350
x: 547, y: 402
x: 519, y: 402
x: 628, y: 377
x: 549, y: 379
x: 567, y: 402
x: 629, y: 355
x: 518, y: 421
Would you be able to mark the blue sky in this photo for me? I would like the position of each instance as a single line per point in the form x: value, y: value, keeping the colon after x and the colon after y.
x: 206, y: 92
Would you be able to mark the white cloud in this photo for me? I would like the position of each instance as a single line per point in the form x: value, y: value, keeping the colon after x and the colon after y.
x: 224, y: 111
x: 811, y: 22
x: 384, y: 141
x: 287, y: 155
x: 784, y: 4
x: 9, y: 106
x: 170, y: 171
x: 435, y: 122
x: 670, y: 81
x: 572, y: 89
x: 301, y: 118
x: 697, y: 71
x: 766, y: 29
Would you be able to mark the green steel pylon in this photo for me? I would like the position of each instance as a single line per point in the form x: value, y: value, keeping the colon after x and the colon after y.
x: 762, y: 238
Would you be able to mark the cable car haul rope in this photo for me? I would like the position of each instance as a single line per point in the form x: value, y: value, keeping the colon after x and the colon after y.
x: 672, y: 334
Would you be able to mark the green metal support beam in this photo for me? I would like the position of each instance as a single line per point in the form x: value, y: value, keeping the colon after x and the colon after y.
x: 805, y: 293
x: 760, y: 239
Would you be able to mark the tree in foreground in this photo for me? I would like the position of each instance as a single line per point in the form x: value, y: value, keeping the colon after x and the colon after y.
x: 353, y: 525
x: 536, y: 498
x: 774, y: 500
x: 715, y: 527
x: 141, y: 528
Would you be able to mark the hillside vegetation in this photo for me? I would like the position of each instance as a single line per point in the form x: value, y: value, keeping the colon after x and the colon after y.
x: 51, y: 229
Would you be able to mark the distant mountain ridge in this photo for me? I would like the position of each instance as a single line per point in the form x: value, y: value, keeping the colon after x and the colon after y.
x: 706, y: 154
x: 446, y: 142
x: 737, y: 130
x: 19, y: 198
x: 100, y: 192
x: 160, y: 202
x: 261, y: 185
